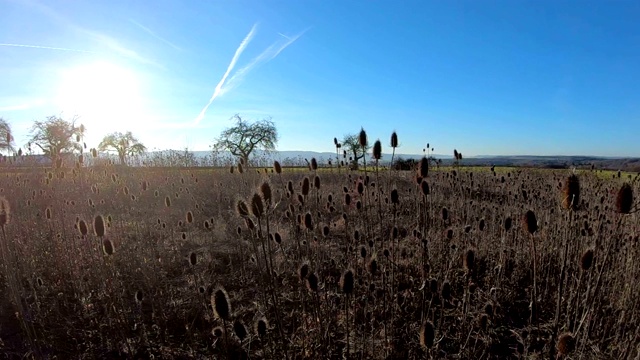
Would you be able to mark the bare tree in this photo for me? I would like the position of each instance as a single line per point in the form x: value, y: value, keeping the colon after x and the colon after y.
x: 6, y: 137
x: 55, y: 136
x: 124, y: 144
x: 244, y: 137
x: 351, y: 144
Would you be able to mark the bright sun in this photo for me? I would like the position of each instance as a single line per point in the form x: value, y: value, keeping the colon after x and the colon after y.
x: 106, y: 97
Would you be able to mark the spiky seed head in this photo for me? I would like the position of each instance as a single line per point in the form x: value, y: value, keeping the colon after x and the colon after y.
x: 94, y: 152
x: 508, y: 223
x: 469, y: 260
x: 395, y: 198
x: 325, y: 230
x: 427, y: 335
x: 193, y: 259
x: 347, y: 199
x: 5, y: 211
x: 373, y: 266
x: 98, y: 226
x: 455, y: 154
x: 82, y: 227
x: 571, y: 193
x: 277, y: 167
x: 303, y: 271
x: 189, y: 217
x: 217, y: 331
x: 139, y: 296
x: 167, y: 201
x: 314, y: 164
x: 277, y: 238
x: 394, y: 140
x: 424, y: 187
x: 308, y: 221
x: 220, y: 304
x: 347, y: 282
x: 445, y: 292
x: 362, y: 138
x: 240, y: 330
x: 423, y: 167
x: 107, y: 247
x: 316, y: 182
x: 445, y: 214
x: 312, y: 282
x: 261, y: 327
x: 305, y: 186
x: 265, y: 189
x: 241, y: 208
x: 530, y: 222
x: 566, y: 344
x: 360, y: 187
x: 624, y: 199
x: 257, y: 206
x: 586, y: 260
x: 48, y: 213
x: 363, y: 252
x: 377, y: 150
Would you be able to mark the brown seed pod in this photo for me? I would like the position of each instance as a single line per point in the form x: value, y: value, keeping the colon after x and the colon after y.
x: 107, y: 247
x: 312, y: 282
x: 445, y: 292
x: 261, y: 327
x: 82, y: 227
x: 566, y: 344
x: 395, y: 198
x: 239, y: 329
x: 530, y: 222
x: 189, y: 217
x: 377, y: 150
x: 423, y: 168
x: 314, y: 164
x: 624, y: 199
x: 586, y: 260
x: 427, y: 335
x: 221, y: 305
x: 469, y: 260
x: 98, y: 226
x: 305, y: 186
x: 303, y: 271
x: 241, y: 208
x: 257, y: 206
x: 277, y: 167
x: 394, y: 140
x: 193, y: 259
x: 347, y: 282
x: 571, y: 193
x: 362, y: 138
x: 265, y: 189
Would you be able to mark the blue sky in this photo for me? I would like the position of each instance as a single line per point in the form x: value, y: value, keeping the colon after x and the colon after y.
x: 484, y: 77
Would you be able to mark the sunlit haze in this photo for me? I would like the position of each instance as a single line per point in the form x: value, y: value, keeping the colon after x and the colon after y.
x: 485, y: 77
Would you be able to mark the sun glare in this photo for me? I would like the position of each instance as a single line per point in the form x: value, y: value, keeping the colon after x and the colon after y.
x: 105, y: 96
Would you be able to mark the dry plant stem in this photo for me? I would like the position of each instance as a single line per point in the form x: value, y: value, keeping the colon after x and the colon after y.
x: 568, y: 229
x: 534, y: 292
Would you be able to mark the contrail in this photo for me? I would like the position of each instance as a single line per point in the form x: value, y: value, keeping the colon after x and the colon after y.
x: 48, y: 48
x: 152, y: 33
x: 267, y: 55
x: 218, y: 88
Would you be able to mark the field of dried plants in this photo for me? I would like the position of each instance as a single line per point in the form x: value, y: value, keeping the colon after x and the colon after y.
x: 113, y: 262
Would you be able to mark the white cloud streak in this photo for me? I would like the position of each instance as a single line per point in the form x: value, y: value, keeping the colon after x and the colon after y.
x: 153, y: 34
x: 232, y: 64
x: 47, y: 48
x: 268, y: 54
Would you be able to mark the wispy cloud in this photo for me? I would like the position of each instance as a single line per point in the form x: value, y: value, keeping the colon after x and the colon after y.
x: 47, y: 48
x: 106, y: 41
x: 153, y: 34
x: 268, y: 54
x: 232, y: 64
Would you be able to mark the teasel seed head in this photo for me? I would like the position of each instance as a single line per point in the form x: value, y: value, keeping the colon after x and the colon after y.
x: 566, y: 344
x: 571, y: 193
x: 423, y: 167
x: 277, y: 167
x: 394, y: 140
x: 362, y: 138
x: 82, y: 227
x: 305, y: 186
x: 261, y: 327
x: 312, y: 282
x: 98, y: 226
x: 303, y: 271
x: 241, y: 208
x: 107, y: 247
x: 314, y: 164
x: 427, y: 334
x: 347, y: 282
x: 257, y: 206
x: 221, y: 305
x: 5, y: 212
x: 240, y: 330
x: 586, y: 260
x: 377, y: 150
x: 193, y: 259
x: 530, y: 222
x: 624, y: 199
x: 265, y: 189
